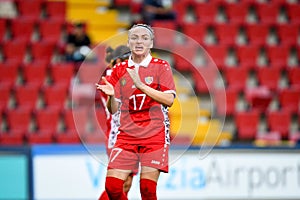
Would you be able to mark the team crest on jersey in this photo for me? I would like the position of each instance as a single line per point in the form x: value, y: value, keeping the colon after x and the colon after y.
x: 123, y: 81
x: 149, y: 79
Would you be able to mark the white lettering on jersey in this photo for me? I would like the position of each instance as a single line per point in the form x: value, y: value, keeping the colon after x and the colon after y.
x: 155, y: 162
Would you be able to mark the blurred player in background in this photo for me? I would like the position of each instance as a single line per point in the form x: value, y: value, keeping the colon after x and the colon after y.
x: 113, y: 57
x: 142, y: 89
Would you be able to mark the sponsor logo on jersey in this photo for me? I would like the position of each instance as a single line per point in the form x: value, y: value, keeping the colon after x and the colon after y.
x: 149, y: 79
x: 155, y: 162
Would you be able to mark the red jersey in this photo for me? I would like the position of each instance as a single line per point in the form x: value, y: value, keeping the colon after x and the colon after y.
x: 112, y: 121
x: 142, y: 119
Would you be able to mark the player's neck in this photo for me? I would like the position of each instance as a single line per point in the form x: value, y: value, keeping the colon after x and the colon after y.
x: 138, y: 58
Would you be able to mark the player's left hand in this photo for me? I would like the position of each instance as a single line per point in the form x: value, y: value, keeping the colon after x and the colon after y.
x: 135, y: 77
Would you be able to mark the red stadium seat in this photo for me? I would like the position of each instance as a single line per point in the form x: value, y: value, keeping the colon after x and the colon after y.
x: 247, y: 56
x: 204, y: 78
x: 89, y: 73
x: 14, y: 137
x: 98, y: 121
x: 207, y: 12
x: 183, y: 8
x: 62, y: 73
x: 9, y: 72
x: 218, y: 54
x: 30, y: 9
x: 56, y: 9
x: 236, y: 78
x: 289, y: 99
x: 76, y: 119
x: 15, y: 49
x: 247, y: 124
x: 19, y: 120
x: 22, y: 28
x: 184, y: 56
x: 226, y: 106
x: 47, y: 121
x: 259, y: 98
x: 76, y: 126
x: 278, y: 55
x: 35, y: 72
x: 51, y: 29
x: 268, y: 12
x: 294, y: 76
x: 168, y: 24
x: 135, y: 7
x: 279, y: 121
x: 257, y: 33
x: 27, y: 95
x: 227, y: 34
x: 5, y: 91
x: 166, y: 38
x: 237, y: 13
x: 288, y: 34
x: 55, y: 95
x: 294, y: 13
x: 42, y: 50
x: 3, y: 29
x: 269, y: 77
x: 196, y: 31
x: 40, y: 137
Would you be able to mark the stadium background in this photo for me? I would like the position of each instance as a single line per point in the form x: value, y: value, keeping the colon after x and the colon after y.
x: 255, y: 47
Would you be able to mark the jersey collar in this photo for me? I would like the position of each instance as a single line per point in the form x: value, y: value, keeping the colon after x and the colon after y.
x: 144, y: 63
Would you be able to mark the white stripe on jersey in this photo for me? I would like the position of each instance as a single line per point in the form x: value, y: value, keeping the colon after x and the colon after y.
x: 114, y: 130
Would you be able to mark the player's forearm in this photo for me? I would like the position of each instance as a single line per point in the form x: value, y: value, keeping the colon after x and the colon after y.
x: 112, y: 104
x: 164, y: 98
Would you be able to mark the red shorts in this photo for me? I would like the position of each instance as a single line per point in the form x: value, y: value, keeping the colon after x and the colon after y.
x: 128, y: 157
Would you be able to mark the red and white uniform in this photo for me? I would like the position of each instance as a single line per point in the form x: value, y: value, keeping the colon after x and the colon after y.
x: 142, y: 119
x: 112, y: 120
x: 144, y: 123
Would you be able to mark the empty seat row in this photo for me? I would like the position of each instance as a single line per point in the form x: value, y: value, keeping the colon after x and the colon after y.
x: 35, y: 29
x: 33, y: 96
x: 24, y: 51
x: 237, y: 78
x: 278, y: 122
x: 238, y: 13
x: 259, y: 99
x: 40, y: 29
x: 36, y: 9
x: 39, y: 72
x: 186, y: 57
x: 52, y: 125
x: 38, y: 84
x: 251, y: 34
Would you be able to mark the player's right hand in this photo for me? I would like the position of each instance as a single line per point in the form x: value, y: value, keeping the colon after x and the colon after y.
x: 107, y: 88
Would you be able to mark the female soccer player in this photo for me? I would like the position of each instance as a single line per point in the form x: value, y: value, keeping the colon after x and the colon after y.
x: 142, y: 88
x: 113, y: 57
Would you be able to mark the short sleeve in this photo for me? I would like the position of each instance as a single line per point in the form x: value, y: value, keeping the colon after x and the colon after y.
x: 166, y: 80
x: 114, y: 80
